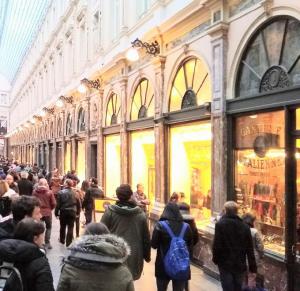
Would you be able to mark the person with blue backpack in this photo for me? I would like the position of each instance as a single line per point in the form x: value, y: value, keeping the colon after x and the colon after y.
x: 173, y: 240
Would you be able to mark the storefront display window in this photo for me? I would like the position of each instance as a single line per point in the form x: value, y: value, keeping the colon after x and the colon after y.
x: 112, y: 164
x: 190, y: 169
x: 260, y: 174
x: 143, y: 162
x: 191, y: 86
x: 271, y: 60
x: 298, y: 194
x: 113, y: 115
x: 143, y: 101
x: 81, y: 160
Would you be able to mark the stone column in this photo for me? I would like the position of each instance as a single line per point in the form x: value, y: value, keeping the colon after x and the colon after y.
x: 218, y: 35
x: 86, y: 108
x: 100, y: 141
x: 161, y: 165
x: 124, y: 134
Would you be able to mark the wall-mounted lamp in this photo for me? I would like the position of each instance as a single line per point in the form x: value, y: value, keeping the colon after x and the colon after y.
x: 88, y: 84
x: 49, y: 110
x: 152, y: 48
x: 64, y: 99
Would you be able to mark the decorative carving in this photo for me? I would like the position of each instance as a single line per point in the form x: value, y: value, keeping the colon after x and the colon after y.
x: 274, y: 78
x: 189, y: 99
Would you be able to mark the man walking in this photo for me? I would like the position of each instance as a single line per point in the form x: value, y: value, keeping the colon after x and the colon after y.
x: 67, y: 207
x: 48, y: 203
x: 232, y: 245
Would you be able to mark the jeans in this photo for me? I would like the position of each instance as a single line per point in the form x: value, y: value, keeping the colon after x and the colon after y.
x: 162, y: 284
x: 48, y: 223
x: 88, y: 216
x: 231, y: 281
x: 67, y: 220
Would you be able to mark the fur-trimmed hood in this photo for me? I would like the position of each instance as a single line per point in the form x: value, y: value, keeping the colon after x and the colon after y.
x: 89, y: 251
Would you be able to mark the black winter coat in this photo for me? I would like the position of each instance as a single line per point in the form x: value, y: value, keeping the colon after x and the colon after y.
x: 7, y: 229
x: 25, y: 187
x: 232, y: 244
x: 30, y: 261
x: 161, y: 241
x: 91, y: 193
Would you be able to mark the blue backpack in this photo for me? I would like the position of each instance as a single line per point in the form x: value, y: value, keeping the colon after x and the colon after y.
x: 177, y: 259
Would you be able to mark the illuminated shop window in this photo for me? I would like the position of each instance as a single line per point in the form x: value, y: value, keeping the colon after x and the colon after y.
x: 112, y: 164
x: 143, y: 162
x: 259, y: 174
x: 271, y: 60
x: 80, y: 163
x: 69, y: 124
x: 298, y: 193
x: 191, y: 86
x: 113, y: 110
x: 143, y: 101
x: 190, y: 168
x: 81, y: 120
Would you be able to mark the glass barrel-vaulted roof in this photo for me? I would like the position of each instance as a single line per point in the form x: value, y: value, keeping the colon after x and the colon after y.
x: 19, y: 23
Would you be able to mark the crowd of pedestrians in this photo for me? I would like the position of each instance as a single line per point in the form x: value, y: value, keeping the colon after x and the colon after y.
x: 110, y: 254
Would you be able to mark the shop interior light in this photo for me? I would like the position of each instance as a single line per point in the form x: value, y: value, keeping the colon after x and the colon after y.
x: 253, y: 116
x: 132, y: 55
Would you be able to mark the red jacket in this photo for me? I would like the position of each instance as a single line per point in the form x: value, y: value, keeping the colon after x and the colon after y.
x: 46, y: 198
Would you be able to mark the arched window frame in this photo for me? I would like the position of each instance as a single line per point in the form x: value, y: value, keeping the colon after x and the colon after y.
x: 81, y: 120
x: 69, y: 124
x: 145, y: 100
x: 190, y: 92
x: 113, y: 110
x: 271, y: 58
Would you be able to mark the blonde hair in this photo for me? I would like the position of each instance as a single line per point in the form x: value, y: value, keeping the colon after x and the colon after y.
x: 3, y: 187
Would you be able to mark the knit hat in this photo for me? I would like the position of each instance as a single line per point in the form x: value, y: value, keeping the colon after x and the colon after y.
x: 124, y: 192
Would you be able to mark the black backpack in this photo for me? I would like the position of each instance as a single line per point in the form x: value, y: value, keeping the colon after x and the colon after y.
x: 10, y: 278
x: 5, y: 206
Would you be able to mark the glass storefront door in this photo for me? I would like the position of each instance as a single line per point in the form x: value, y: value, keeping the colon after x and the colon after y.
x: 67, y: 157
x: 143, y: 162
x: 112, y: 164
x: 80, y: 163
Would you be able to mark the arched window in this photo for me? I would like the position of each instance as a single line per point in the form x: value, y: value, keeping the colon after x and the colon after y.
x: 113, y: 110
x: 271, y: 59
x: 81, y: 120
x: 191, y: 86
x: 69, y: 124
x: 142, y: 105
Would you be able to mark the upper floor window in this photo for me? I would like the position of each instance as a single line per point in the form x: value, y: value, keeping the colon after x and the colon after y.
x: 142, y: 105
x: 141, y: 7
x: 69, y: 124
x: 59, y: 127
x: 191, y: 86
x: 271, y: 59
x: 113, y: 110
x: 81, y: 120
x: 115, y: 18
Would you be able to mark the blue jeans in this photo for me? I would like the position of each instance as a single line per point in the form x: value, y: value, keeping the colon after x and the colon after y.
x: 231, y: 281
x: 162, y: 284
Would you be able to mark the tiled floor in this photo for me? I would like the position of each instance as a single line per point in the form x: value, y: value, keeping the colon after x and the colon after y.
x: 199, y: 282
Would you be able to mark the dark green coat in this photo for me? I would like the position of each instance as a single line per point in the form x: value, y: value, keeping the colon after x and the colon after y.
x: 96, y: 263
x: 130, y: 223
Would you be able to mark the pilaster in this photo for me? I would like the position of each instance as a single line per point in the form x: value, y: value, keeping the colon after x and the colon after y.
x: 100, y: 141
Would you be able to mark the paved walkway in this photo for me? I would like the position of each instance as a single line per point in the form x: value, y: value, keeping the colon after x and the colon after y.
x: 199, y: 282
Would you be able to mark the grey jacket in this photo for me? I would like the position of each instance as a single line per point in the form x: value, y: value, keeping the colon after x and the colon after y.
x: 96, y: 263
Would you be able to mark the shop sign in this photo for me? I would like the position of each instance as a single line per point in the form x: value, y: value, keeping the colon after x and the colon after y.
x: 263, y: 164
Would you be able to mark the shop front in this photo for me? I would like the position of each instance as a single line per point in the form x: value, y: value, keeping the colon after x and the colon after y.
x: 265, y: 140
x: 190, y: 167
x: 112, y: 164
x: 81, y: 160
x: 142, y: 141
